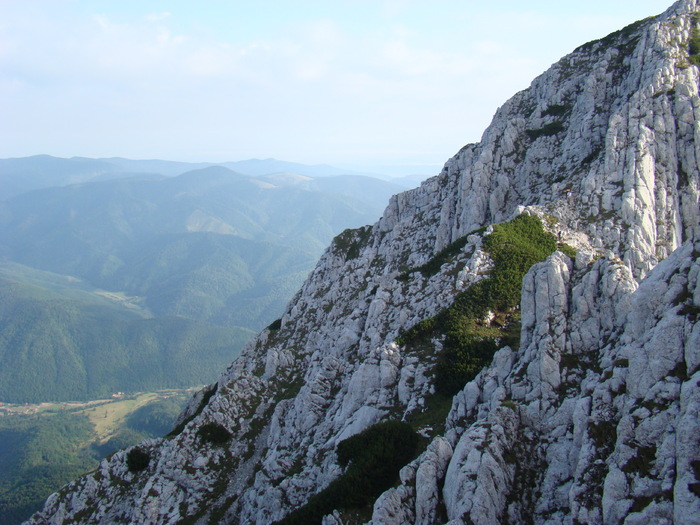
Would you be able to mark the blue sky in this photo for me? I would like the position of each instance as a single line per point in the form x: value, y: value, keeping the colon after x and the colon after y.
x: 345, y: 82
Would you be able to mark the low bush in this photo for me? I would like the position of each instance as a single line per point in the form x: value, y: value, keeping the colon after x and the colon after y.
x: 694, y: 43
x: 350, y: 242
x: 275, y: 325
x: 461, y: 363
x: 432, y: 266
x: 469, y: 343
x: 557, y: 110
x: 374, y: 458
x: 567, y: 249
x: 214, y: 433
x: 137, y: 459
x: 514, y: 247
x: 545, y: 131
x: 695, y: 487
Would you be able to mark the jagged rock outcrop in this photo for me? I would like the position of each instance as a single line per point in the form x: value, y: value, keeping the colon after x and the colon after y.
x: 593, y: 419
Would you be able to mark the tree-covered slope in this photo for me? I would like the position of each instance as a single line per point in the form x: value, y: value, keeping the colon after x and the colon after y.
x: 36, y: 456
x: 41, y: 451
x: 209, y: 244
x: 54, y: 347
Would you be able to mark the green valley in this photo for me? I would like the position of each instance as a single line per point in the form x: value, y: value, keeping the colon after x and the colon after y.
x: 45, y: 445
x: 63, y: 343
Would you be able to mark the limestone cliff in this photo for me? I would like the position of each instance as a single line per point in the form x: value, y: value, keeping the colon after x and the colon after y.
x: 591, y: 418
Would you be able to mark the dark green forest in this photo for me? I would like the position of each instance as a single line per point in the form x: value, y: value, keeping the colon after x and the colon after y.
x: 40, y: 453
x: 58, y: 349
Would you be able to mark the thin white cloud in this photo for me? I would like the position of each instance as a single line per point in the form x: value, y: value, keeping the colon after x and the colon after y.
x: 318, y: 90
x: 157, y: 17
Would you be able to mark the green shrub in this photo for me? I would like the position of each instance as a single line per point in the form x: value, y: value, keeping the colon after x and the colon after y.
x: 514, y: 247
x: 545, y: 131
x: 214, y: 433
x: 137, y: 459
x: 275, y: 325
x: 616, y: 37
x: 695, y: 487
x: 461, y: 363
x: 557, y: 110
x: 567, y: 249
x: 432, y: 266
x: 350, y: 241
x: 509, y: 403
x: 642, y: 462
x: 694, y: 43
x: 469, y: 343
x: 374, y: 458
x: 419, y: 332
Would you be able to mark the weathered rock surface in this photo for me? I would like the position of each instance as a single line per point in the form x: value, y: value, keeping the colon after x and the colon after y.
x: 593, y: 419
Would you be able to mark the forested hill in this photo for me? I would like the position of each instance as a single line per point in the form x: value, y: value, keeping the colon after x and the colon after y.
x: 136, y: 282
x: 209, y: 244
x: 75, y: 345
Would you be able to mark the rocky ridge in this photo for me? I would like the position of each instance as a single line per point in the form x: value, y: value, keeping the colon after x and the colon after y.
x: 593, y: 419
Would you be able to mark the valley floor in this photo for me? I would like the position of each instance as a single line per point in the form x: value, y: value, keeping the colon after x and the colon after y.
x: 45, y: 445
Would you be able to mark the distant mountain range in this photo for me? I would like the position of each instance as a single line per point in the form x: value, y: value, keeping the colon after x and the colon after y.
x: 103, y: 261
x: 19, y: 175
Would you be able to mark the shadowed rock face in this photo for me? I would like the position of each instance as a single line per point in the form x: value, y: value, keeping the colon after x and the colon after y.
x: 593, y: 419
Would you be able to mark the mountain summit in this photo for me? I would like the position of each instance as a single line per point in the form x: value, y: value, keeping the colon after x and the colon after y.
x: 515, y: 341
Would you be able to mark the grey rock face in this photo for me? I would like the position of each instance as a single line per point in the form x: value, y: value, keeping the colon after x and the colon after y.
x: 596, y: 432
x: 593, y: 419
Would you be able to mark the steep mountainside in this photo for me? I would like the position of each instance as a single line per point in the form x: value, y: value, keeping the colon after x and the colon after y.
x: 590, y: 416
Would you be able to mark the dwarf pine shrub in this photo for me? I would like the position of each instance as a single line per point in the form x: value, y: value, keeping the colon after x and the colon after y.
x: 468, y: 342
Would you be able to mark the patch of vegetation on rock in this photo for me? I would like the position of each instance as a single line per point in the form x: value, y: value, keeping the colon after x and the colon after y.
x: 548, y: 130
x: 484, y: 317
x: 557, y: 110
x: 374, y: 458
x: 275, y: 325
x: 621, y: 35
x: 214, y: 433
x: 567, y: 250
x: 350, y: 241
x: 432, y: 266
x: 695, y: 487
x: 694, y: 43
x: 642, y: 462
x: 137, y: 459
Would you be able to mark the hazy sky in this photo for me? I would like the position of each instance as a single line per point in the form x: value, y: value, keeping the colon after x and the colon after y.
x: 364, y: 82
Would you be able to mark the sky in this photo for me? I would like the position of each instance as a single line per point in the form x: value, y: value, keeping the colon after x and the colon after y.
x: 346, y: 82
